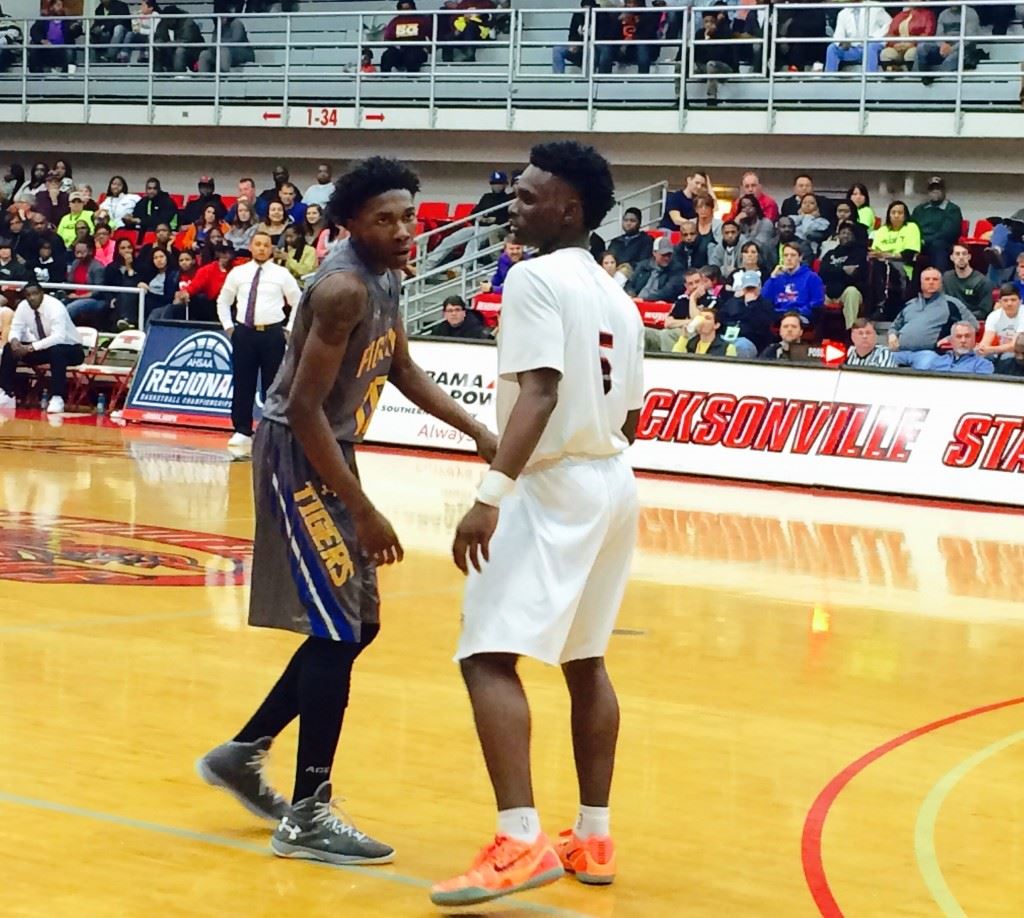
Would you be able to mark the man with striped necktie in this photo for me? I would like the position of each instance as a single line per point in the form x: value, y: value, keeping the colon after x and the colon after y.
x: 263, y: 296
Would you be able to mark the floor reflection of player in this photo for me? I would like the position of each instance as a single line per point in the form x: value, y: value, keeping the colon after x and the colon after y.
x: 313, y: 517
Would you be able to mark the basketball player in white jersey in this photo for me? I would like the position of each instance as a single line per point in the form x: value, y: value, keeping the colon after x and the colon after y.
x: 548, y: 543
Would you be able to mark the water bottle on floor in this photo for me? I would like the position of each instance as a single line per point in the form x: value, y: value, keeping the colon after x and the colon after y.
x: 44, y: 400
x: 101, y: 404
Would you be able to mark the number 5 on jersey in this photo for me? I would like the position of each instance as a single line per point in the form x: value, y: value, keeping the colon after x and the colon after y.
x: 604, y: 344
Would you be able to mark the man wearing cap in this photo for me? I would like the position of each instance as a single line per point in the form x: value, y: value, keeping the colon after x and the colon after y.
x: 491, y: 227
x: 193, y: 211
x: 940, y: 221
x: 77, y: 214
x: 41, y: 332
x: 660, y: 278
x: 747, y: 317
x: 633, y: 246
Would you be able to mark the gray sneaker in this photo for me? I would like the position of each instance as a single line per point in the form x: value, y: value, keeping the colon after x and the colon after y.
x: 238, y: 768
x: 311, y: 830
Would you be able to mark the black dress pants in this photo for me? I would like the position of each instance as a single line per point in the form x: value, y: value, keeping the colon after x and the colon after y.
x: 254, y: 354
x: 59, y: 357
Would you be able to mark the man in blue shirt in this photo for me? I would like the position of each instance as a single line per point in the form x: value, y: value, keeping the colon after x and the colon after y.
x: 679, y: 204
x: 961, y: 359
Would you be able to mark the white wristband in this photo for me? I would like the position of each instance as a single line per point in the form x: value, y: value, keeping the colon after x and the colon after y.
x: 494, y: 487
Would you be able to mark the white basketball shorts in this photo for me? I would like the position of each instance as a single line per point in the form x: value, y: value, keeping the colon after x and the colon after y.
x: 560, y: 560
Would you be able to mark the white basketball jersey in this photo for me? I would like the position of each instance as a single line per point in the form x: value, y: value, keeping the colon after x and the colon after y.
x: 563, y: 312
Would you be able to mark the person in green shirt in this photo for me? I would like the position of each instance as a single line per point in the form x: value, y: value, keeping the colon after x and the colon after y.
x: 897, y: 241
x: 77, y: 214
x: 940, y: 221
x: 858, y: 193
x: 970, y: 287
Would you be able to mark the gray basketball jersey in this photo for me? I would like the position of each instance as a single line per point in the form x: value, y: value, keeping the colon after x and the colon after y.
x: 364, y: 370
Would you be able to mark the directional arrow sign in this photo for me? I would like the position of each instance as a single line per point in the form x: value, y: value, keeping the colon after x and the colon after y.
x: 374, y: 116
x: 833, y: 353
x: 271, y: 116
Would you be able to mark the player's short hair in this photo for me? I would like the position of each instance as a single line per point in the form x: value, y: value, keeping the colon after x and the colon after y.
x: 586, y: 170
x: 367, y: 179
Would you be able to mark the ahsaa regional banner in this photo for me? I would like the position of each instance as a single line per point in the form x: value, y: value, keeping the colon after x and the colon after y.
x: 184, y: 377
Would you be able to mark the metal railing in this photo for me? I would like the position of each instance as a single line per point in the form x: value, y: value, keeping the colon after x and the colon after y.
x: 138, y: 292
x: 305, y: 67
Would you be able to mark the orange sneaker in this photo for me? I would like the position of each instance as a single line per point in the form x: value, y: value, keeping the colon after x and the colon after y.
x: 504, y: 867
x: 592, y: 859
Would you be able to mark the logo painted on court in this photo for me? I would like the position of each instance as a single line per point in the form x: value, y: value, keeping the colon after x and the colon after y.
x: 76, y: 550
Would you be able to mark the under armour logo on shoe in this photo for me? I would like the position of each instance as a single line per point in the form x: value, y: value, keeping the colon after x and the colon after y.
x: 293, y: 830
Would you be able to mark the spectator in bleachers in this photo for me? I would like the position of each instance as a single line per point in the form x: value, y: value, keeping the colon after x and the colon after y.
x: 86, y: 192
x: 944, y: 54
x: 143, y: 29
x: 179, y: 41
x: 242, y: 228
x: 234, y: 49
x: 1003, y: 325
x: 295, y: 210
x: 296, y: 254
x: 41, y: 333
x: 926, y: 319
x: 633, y: 27
x: 160, y: 281
x: 845, y: 212
x: 19, y: 236
x: 844, y: 271
x: 718, y: 56
x: 810, y: 224
x: 866, y: 351
x: 469, y: 26
x: 112, y: 21
x: 512, y: 254
x: 1013, y: 367
x: 900, y: 55
x: 618, y: 272
x: 45, y: 267
x: 709, y: 227
x: 707, y: 339
x: 960, y: 358
x: 798, y: 56
x: 53, y: 40
x: 192, y: 212
x: 11, y: 269
x: 572, y: 53
x: 789, y: 346
x: 679, y: 205
x: 894, y: 247
x: 206, y: 252
x: 42, y: 232
x: 971, y: 287
x: 634, y: 245
x: 319, y: 193
x: 751, y: 259
x: 658, y: 278
x: 750, y: 186
x: 104, y: 243
x: 793, y: 286
x: 84, y: 306
x: 858, y: 193
x: 161, y: 241
x: 855, y: 23
x: 52, y: 203
x: 754, y: 225
x: 458, y: 322
x: 199, y: 293
x: 940, y: 222
x: 803, y: 184
x: 690, y: 252
x: 685, y: 307
x: 489, y: 227
x: 152, y: 210
x: 13, y: 182
x: 82, y: 233
x: 35, y: 184
x: 725, y: 255
x: 747, y: 317
x: 10, y: 39
x: 67, y: 227
x: 277, y: 220
x: 786, y: 230
x: 119, y: 203
x: 313, y: 224
x: 366, y: 64
x: 247, y: 193
x: 281, y: 177
x: 1006, y: 244
x: 192, y: 237
x: 407, y: 27
x: 63, y: 169
x: 123, y: 272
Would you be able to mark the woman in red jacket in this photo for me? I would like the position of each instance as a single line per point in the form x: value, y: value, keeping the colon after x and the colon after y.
x: 901, y: 54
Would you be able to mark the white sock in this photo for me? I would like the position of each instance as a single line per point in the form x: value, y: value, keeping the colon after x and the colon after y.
x: 521, y: 823
x: 592, y: 820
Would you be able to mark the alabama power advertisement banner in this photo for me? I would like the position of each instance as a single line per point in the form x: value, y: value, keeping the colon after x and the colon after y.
x: 896, y: 433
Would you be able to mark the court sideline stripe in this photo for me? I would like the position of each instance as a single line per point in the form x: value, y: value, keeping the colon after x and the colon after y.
x: 224, y: 841
x: 810, y: 841
x: 924, y: 830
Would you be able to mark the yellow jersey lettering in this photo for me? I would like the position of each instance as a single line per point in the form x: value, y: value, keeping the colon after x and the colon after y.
x: 324, y: 534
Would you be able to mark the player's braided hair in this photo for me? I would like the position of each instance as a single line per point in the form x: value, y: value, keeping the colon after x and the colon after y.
x: 365, y: 180
x: 583, y: 168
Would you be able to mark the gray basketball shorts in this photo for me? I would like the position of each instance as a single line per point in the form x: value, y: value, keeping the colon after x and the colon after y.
x: 309, y: 573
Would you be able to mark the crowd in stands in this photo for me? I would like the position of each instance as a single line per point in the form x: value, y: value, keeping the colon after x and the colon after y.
x: 53, y: 231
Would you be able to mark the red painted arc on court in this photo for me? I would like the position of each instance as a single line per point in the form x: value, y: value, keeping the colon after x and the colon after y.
x: 814, y: 824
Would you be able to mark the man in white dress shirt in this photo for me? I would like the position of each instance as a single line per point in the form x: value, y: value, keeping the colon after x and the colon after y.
x: 41, y: 333
x: 258, y: 291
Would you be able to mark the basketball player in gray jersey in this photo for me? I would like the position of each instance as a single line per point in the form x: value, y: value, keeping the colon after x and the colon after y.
x: 318, y: 536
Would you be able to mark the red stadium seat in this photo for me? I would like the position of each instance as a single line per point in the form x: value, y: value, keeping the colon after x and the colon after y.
x: 179, y: 200
x: 432, y: 213
x: 462, y: 210
x: 229, y: 200
x: 129, y: 234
